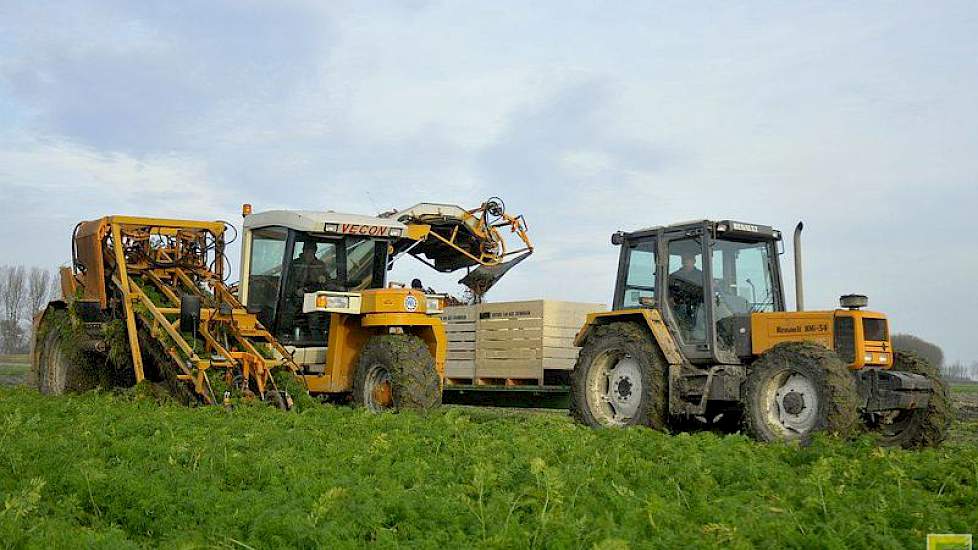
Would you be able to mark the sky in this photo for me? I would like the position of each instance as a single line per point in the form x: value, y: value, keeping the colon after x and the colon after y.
x: 861, y: 119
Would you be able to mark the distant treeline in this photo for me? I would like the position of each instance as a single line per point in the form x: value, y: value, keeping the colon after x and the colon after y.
x: 24, y: 291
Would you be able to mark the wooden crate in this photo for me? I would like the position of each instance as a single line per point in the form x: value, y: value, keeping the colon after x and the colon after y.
x: 515, y: 342
x: 460, y: 330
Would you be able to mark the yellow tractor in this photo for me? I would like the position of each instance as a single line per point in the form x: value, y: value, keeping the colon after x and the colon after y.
x: 699, y: 334
x: 146, y: 299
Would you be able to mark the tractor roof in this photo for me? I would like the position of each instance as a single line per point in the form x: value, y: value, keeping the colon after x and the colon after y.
x: 728, y: 227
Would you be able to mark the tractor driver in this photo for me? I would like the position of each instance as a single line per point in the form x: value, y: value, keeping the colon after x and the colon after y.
x: 686, y: 290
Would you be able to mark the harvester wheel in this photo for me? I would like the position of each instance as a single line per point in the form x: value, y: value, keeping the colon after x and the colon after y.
x: 619, y: 379
x: 796, y: 389
x: 918, y: 427
x: 396, y: 372
x: 54, y: 371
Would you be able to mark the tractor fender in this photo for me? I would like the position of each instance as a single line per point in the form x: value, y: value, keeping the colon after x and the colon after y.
x: 645, y: 317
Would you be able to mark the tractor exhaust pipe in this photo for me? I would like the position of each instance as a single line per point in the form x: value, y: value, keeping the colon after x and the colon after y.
x: 799, y: 284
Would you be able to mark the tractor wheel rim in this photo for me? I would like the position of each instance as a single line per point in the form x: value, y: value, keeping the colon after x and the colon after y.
x: 378, y: 395
x: 614, y: 388
x: 791, y: 404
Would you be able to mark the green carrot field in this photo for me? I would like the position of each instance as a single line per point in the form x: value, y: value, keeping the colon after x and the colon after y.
x: 117, y: 471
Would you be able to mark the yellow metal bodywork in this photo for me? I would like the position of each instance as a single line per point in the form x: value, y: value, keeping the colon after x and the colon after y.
x: 381, y: 312
x: 650, y: 317
x: 767, y: 331
x: 771, y: 329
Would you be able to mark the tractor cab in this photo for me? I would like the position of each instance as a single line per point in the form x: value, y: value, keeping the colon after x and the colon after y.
x: 706, y: 278
x: 287, y: 255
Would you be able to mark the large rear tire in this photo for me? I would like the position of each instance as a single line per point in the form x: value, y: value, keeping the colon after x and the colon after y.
x: 619, y: 379
x: 918, y: 427
x: 396, y: 372
x: 56, y: 367
x: 797, y: 389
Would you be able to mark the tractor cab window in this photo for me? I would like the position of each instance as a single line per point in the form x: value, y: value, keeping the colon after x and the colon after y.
x: 742, y: 284
x: 686, y: 288
x: 640, y: 275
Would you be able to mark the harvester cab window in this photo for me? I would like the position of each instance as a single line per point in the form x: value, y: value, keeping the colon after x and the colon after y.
x: 742, y: 284
x: 267, y: 250
x: 313, y: 266
x: 686, y: 288
x: 640, y: 275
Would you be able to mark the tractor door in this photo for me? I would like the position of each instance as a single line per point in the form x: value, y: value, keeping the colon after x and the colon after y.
x: 685, y: 285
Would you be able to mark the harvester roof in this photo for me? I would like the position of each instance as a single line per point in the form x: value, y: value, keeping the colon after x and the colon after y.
x: 326, y: 222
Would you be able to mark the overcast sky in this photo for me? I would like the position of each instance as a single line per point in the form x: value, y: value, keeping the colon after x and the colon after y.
x: 859, y: 118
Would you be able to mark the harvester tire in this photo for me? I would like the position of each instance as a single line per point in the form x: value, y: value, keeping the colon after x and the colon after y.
x: 797, y: 389
x: 919, y: 427
x: 619, y: 379
x: 55, y: 368
x: 396, y: 372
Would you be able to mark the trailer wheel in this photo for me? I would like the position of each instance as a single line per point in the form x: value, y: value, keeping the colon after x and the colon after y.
x: 797, y: 389
x: 619, y: 379
x: 918, y: 427
x: 396, y: 372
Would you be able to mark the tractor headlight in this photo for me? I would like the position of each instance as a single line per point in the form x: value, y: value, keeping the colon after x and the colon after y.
x: 884, y: 358
x: 868, y: 358
x: 435, y: 304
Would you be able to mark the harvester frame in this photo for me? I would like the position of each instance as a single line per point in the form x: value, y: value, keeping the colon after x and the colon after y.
x: 157, y: 274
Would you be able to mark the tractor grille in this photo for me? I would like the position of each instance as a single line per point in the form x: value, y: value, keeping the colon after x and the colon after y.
x: 874, y: 330
x: 845, y: 339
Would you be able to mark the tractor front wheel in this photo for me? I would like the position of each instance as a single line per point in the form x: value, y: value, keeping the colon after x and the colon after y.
x: 918, y: 427
x: 619, y: 379
x: 797, y: 389
x: 396, y: 372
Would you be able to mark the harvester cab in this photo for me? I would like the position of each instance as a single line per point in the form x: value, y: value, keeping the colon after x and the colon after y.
x: 699, y: 330
x: 318, y: 281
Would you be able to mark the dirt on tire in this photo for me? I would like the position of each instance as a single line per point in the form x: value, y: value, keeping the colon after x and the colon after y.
x: 622, y: 338
x: 838, y: 412
x: 926, y: 427
x: 415, y: 384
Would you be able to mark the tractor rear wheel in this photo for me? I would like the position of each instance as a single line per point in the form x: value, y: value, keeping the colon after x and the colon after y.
x: 797, y: 389
x: 918, y: 427
x: 396, y: 372
x: 619, y: 379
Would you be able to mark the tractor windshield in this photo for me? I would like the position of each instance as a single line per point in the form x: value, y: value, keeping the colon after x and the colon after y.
x: 743, y: 284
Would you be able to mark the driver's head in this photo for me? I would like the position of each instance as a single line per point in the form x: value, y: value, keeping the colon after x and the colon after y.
x: 689, y: 261
x: 308, y: 249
